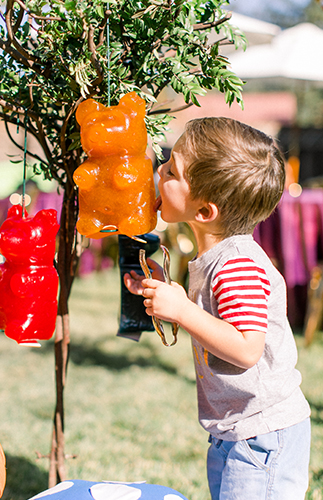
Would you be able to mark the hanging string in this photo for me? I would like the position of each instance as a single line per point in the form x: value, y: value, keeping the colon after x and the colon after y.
x: 23, y: 199
x: 111, y: 228
x: 108, y: 51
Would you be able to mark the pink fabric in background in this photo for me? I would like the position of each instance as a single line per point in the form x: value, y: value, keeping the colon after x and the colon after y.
x: 293, y: 235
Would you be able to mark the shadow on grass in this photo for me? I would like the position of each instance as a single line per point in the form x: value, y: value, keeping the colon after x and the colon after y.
x: 24, y: 479
x: 317, y: 412
x: 317, y: 476
x: 84, y: 354
x: 81, y: 354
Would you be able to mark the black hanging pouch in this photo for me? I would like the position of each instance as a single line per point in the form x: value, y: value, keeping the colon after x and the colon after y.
x: 133, y: 318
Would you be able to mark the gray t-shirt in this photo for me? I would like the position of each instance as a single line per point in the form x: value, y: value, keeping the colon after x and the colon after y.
x: 236, y: 403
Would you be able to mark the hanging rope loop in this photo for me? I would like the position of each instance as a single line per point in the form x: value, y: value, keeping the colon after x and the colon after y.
x: 24, y: 175
x: 23, y: 200
x: 108, y: 52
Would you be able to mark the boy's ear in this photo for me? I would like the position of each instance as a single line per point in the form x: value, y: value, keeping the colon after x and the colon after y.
x: 207, y: 213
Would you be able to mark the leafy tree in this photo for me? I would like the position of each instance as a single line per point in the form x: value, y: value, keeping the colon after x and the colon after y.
x: 314, y: 13
x: 57, y: 53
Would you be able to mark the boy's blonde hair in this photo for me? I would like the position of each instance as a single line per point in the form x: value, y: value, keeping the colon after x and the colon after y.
x: 236, y: 167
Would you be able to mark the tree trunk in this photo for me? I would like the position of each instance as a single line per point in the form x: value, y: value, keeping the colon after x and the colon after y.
x: 66, y: 263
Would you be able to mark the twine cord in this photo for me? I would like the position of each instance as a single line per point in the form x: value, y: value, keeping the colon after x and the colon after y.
x: 108, y: 51
x: 24, y: 174
x: 109, y: 90
x: 23, y: 200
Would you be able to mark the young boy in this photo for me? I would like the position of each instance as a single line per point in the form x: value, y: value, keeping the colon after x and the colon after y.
x: 223, y: 178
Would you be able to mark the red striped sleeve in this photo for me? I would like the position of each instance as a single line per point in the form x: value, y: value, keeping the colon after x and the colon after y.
x: 242, y: 289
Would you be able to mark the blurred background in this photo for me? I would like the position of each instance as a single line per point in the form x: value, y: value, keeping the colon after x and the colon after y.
x: 131, y: 412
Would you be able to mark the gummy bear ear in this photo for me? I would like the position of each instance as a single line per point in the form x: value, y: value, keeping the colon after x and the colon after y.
x: 47, y: 213
x: 15, y: 210
x: 86, y: 108
x: 136, y: 103
x: 48, y: 220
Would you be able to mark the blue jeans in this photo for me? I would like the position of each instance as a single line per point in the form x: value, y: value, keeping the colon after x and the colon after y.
x: 271, y: 466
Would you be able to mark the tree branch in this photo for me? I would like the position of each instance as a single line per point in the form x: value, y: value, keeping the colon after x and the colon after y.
x: 32, y: 155
x: 196, y: 27
x: 11, y: 34
x: 38, y: 133
x: 34, y: 16
x: 224, y: 41
x: 94, y: 60
x: 19, y: 19
x: 206, y: 26
x: 169, y: 110
x: 21, y: 148
x: 103, y: 26
x: 18, y: 57
x: 15, y: 108
x: 72, y: 110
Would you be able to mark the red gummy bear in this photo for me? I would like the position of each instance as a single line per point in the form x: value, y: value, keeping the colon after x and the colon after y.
x: 28, y: 279
x: 116, y: 183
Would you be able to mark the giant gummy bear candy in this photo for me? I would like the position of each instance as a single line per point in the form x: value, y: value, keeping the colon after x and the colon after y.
x: 28, y: 279
x: 116, y: 184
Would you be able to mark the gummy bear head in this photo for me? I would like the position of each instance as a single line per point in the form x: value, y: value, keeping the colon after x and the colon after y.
x: 114, y: 130
x: 29, y: 240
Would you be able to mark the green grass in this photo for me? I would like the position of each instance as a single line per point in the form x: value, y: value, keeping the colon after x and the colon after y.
x: 130, y: 408
x: 311, y: 366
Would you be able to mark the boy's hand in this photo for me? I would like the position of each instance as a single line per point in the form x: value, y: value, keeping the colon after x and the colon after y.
x: 164, y: 301
x: 133, y: 281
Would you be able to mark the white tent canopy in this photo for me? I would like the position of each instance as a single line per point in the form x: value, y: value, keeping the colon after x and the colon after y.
x: 256, y: 31
x: 295, y: 53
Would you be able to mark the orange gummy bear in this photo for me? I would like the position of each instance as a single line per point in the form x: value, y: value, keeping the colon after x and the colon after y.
x: 116, y: 183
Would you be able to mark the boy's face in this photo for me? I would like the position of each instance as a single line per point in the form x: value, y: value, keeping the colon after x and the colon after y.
x: 175, y: 202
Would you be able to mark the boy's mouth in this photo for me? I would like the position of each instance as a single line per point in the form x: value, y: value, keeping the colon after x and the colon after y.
x: 157, y: 204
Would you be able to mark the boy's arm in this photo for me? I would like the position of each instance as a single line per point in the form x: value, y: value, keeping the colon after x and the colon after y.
x: 222, y: 339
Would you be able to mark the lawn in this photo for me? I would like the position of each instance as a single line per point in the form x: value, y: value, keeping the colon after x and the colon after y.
x: 130, y: 407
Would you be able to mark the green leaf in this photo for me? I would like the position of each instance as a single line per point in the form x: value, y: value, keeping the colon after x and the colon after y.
x: 194, y: 100
x: 70, y: 5
x: 100, y: 10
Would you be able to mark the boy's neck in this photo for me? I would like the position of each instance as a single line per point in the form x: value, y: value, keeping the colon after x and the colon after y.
x: 205, y: 239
